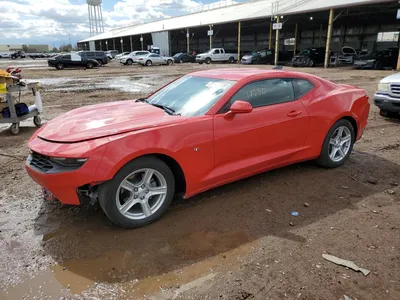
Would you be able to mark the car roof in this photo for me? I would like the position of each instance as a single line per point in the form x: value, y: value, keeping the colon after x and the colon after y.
x: 241, y: 73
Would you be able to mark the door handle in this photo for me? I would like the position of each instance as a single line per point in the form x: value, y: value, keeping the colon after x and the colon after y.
x: 294, y: 113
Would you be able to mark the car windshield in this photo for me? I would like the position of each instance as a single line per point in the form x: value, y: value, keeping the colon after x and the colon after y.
x: 178, y: 54
x: 191, y: 95
x: 254, y: 53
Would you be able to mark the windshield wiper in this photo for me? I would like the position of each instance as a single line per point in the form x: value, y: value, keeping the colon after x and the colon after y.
x: 167, y: 109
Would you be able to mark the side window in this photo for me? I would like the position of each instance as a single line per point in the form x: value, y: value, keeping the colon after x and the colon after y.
x: 66, y: 57
x: 154, y: 55
x: 216, y: 52
x: 265, y: 92
x: 90, y: 54
x: 301, y: 87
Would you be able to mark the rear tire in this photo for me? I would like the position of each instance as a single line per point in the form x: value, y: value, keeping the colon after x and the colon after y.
x: 149, y: 63
x: 169, y: 62
x: 89, y: 65
x: 112, y: 196
x: 329, y: 158
x: 231, y: 60
x: 378, y: 66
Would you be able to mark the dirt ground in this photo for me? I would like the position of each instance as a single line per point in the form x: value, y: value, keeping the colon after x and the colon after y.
x: 238, y: 241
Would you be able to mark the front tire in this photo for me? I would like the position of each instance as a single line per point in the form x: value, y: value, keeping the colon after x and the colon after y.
x: 208, y: 61
x: 337, y: 145
x: 169, y: 62
x: 37, y: 121
x: 129, y: 62
x: 378, y: 66
x: 149, y: 63
x: 60, y: 66
x: 89, y: 65
x: 387, y: 114
x: 139, y: 194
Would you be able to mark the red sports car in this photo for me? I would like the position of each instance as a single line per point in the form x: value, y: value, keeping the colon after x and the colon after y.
x: 200, y: 131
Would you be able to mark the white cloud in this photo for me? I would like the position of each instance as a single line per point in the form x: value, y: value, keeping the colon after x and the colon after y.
x: 51, y: 21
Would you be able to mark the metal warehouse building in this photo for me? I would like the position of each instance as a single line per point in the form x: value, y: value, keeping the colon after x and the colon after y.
x: 361, y: 24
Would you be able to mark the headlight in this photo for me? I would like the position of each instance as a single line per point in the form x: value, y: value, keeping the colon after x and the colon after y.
x: 69, y: 162
x: 370, y: 60
x: 383, y: 87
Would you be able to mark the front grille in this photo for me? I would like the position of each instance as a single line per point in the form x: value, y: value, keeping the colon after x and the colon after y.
x: 395, y: 90
x: 41, y: 162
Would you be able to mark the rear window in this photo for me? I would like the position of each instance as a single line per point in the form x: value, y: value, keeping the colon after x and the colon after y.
x: 301, y: 87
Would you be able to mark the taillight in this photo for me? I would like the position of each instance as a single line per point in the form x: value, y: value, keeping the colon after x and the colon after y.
x: 140, y: 58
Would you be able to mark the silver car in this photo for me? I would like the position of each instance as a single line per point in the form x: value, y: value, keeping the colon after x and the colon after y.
x: 154, y: 59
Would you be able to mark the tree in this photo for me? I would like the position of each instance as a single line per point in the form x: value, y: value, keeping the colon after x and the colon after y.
x: 65, y: 48
x: 25, y: 48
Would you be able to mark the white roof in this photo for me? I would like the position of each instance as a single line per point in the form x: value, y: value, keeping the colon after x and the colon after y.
x: 254, y: 9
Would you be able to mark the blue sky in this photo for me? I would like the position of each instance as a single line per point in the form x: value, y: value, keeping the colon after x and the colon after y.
x: 54, y: 21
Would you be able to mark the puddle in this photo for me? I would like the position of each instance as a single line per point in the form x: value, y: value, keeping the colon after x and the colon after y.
x: 129, y: 84
x: 138, y: 271
x: 43, y: 286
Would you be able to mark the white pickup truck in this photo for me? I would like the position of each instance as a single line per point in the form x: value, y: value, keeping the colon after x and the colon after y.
x: 216, y: 55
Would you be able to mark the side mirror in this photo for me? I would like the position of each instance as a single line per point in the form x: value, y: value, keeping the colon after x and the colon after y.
x: 241, y: 107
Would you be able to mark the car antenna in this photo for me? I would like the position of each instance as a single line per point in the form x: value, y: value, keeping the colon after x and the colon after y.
x: 277, y: 68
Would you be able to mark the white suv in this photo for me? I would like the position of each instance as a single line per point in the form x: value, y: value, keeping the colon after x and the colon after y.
x: 387, y: 96
x: 131, y: 58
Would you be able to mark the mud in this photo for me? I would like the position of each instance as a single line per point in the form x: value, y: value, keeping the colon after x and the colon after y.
x: 234, y: 242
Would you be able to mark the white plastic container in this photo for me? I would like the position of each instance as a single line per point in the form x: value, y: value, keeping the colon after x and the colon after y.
x: 38, y: 102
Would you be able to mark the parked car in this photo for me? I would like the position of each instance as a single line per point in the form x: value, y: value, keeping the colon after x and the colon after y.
x: 112, y: 54
x: 154, y: 59
x: 310, y: 57
x: 387, y: 96
x: 18, y: 54
x: 348, y: 54
x: 100, y: 56
x: 217, y: 55
x: 131, y: 57
x: 5, y: 55
x: 201, y: 131
x: 378, y: 60
x: 265, y: 56
x: 119, y: 56
x: 183, y: 57
x: 71, y: 61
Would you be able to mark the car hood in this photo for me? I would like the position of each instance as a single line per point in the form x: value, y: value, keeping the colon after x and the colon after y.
x: 96, y: 121
x: 247, y: 56
x: 391, y: 78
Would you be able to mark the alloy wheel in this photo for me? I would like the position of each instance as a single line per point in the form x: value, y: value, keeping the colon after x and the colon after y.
x: 340, y: 143
x: 141, y: 194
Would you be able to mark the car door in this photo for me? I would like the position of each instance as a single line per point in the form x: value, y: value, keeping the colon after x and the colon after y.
x: 216, y: 55
x: 156, y: 59
x: 66, y: 60
x: 272, y: 134
x: 77, y: 61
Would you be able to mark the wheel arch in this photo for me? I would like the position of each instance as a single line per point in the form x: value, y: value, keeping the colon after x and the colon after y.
x: 347, y: 117
x: 172, y: 163
x: 353, y: 123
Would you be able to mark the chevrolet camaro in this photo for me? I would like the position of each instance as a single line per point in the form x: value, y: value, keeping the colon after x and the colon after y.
x: 200, y: 131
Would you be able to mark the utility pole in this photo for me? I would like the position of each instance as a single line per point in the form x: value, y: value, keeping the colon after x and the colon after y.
x: 328, y: 39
